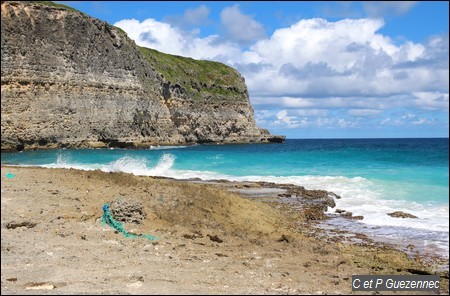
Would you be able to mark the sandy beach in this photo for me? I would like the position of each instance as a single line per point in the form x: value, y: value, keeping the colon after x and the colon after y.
x: 212, y: 238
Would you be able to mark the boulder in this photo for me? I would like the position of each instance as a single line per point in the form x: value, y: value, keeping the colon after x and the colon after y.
x: 400, y: 214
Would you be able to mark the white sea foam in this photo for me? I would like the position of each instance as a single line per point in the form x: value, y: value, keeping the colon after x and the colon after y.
x: 165, y: 147
x: 364, y: 197
x: 127, y: 164
x: 62, y: 158
x: 164, y: 165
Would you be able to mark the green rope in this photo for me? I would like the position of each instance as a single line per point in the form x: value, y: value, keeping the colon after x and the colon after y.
x: 108, y: 219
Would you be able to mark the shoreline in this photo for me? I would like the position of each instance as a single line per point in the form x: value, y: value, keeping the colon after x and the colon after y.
x: 328, y: 226
x: 291, y: 257
x: 136, y: 145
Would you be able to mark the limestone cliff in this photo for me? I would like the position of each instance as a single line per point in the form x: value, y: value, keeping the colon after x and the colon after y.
x: 69, y: 80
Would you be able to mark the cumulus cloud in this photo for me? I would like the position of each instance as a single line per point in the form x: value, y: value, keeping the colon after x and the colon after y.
x: 239, y: 27
x: 346, y: 69
x: 192, y: 17
x: 431, y: 100
x: 170, y: 39
x: 383, y: 8
x: 347, y: 56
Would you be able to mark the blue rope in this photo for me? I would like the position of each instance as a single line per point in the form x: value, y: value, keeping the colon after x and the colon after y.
x: 108, y: 219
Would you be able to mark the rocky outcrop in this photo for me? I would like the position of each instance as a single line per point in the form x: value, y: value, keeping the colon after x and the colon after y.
x: 400, y: 214
x: 69, y: 80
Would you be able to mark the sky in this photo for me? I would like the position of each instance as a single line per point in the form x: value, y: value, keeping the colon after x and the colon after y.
x: 373, y: 69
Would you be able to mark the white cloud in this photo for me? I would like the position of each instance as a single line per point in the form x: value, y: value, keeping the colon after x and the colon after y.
x: 420, y: 121
x: 240, y: 27
x: 315, y: 66
x: 311, y: 112
x: 431, y: 100
x: 368, y: 103
x: 197, y: 16
x: 288, y: 121
x: 392, y: 122
x: 169, y: 39
x: 408, y: 116
x: 191, y: 17
x: 382, y: 8
x: 349, y: 57
x: 294, y: 119
x: 363, y: 112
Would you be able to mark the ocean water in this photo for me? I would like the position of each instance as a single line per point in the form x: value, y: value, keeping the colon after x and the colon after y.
x: 373, y: 176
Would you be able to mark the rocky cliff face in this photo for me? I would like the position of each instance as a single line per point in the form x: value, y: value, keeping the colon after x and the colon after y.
x: 69, y: 80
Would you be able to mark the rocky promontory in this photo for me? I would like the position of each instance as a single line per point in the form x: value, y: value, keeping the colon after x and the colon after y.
x: 70, y: 80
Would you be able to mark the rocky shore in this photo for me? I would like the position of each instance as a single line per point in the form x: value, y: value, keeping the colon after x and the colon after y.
x: 212, y: 238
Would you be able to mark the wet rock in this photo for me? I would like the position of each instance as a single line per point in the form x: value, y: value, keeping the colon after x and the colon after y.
x: 349, y: 215
x: 127, y: 210
x: 314, y: 212
x: 284, y: 195
x: 334, y: 195
x: 346, y: 214
x: 316, y: 197
x: 400, y: 214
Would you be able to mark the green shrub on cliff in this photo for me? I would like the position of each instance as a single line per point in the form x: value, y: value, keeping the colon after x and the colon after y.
x: 199, y: 78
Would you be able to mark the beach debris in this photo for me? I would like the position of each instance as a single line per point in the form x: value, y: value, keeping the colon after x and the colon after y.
x: 13, y: 279
x: 127, y: 211
x: 107, y: 218
x: 40, y: 286
x: 14, y: 225
x: 10, y: 175
x: 400, y: 214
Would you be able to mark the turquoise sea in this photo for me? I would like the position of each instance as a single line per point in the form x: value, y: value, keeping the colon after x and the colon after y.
x: 373, y: 176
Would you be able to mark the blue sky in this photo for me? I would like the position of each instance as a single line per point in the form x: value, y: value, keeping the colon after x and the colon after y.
x: 314, y: 69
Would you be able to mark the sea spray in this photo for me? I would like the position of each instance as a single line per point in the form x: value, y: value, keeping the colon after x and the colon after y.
x: 164, y: 165
x: 62, y: 158
x: 127, y: 164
